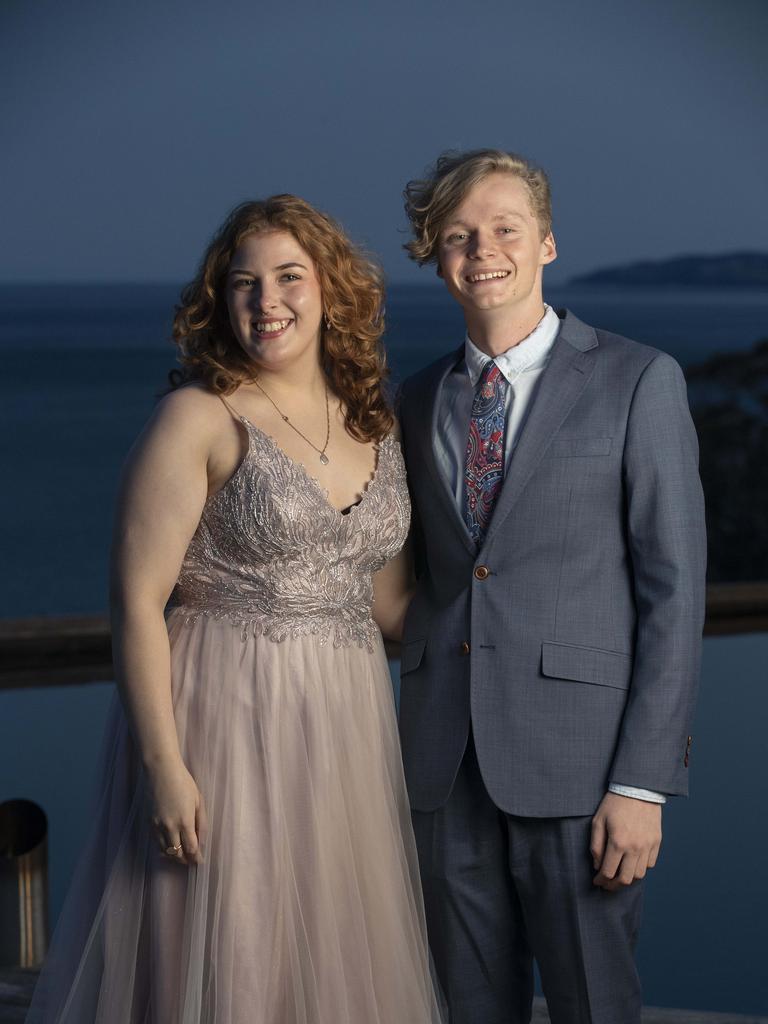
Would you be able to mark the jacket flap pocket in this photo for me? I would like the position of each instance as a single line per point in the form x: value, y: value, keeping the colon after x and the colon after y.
x: 411, y: 654
x: 586, y: 664
x: 564, y: 447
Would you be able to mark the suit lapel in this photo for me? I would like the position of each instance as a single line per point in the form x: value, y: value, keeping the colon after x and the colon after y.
x: 565, y: 377
x: 427, y: 440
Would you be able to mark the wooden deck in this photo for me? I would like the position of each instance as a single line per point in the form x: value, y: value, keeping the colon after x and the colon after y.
x: 16, y: 991
x: 655, y: 1015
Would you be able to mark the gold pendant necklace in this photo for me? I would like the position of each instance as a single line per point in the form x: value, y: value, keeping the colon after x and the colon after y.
x: 321, y: 451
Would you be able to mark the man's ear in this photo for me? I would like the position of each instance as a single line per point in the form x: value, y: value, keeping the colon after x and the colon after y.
x: 548, y: 249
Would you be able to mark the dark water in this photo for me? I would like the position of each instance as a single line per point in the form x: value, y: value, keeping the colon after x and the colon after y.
x: 79, y: 372
x: 80, y: 369
x: 422, y: 321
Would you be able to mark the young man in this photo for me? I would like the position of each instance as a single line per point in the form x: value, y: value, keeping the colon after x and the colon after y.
x: 551, y: 654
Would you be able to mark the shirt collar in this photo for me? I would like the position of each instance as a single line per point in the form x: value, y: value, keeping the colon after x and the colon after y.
x: 529, y: 354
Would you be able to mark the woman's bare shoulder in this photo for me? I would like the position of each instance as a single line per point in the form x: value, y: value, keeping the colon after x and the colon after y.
x: 188, y: 423
x: 191, y: 409
x: 193, y: 401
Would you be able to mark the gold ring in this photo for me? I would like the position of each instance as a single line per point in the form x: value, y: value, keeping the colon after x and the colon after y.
x: 172, y: 849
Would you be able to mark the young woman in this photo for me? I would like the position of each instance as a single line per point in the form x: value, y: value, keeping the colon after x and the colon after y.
x: 252, y: 860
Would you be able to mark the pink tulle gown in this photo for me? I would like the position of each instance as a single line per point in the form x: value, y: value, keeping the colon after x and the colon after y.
x: 307, y: 908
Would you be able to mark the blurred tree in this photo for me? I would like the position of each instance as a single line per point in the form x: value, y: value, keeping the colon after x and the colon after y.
x: 729, y: 401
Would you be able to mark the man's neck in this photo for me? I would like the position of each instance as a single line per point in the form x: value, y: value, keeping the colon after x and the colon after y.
x: 494, y: 332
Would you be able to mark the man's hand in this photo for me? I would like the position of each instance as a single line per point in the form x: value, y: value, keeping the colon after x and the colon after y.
x: 626, y: 837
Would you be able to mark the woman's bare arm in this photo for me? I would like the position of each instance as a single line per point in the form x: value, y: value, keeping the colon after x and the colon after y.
x: 163, y: 490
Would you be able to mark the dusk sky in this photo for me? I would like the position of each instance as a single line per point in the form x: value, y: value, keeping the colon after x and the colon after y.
x: 129, y: 130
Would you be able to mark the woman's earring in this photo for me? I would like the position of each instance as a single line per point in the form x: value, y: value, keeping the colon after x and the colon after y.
x: 327, y: 323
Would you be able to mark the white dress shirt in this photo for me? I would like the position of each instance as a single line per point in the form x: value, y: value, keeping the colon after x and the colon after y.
x: 522, y: 366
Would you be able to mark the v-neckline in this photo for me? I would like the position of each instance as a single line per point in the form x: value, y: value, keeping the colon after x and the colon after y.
x: 322, y: 491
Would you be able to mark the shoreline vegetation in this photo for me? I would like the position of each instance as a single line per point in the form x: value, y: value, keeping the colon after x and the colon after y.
x: 725, y: 270
x: 729, y: 404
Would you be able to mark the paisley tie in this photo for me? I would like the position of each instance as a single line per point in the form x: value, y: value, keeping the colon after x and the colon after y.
x: 484, y: 460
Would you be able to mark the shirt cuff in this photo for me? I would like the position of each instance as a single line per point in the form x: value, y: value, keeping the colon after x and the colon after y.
x: 637, y: 794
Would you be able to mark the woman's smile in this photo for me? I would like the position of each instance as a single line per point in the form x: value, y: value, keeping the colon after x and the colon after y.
x: 271, y: 329
x: 274, y: 295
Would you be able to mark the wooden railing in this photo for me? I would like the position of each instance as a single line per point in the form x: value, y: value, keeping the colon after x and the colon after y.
x: 736, y: 608
x: 56, y: 651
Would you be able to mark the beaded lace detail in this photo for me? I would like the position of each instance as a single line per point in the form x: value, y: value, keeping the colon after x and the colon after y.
x: 275, y: 557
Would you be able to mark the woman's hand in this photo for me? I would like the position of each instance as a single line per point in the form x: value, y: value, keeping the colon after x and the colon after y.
x: 178, y: 814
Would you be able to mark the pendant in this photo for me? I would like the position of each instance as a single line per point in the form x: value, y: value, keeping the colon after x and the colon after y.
x: 324, y: 458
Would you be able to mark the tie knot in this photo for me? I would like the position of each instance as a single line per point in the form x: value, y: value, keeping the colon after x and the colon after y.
x: 492, y: 380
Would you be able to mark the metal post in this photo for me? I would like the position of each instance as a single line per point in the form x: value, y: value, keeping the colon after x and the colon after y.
x: 23, y: 884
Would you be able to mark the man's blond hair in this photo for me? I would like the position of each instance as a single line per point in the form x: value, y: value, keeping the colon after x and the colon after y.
x: 431, y: 200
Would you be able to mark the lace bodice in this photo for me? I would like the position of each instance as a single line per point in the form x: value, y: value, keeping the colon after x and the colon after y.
x: 274, y: 556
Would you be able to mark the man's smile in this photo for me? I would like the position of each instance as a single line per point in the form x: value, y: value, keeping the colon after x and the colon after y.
x: 486, y: 275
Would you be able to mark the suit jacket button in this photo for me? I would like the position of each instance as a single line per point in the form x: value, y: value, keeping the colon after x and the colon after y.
x: 464, y: 648
x: 482, y: 572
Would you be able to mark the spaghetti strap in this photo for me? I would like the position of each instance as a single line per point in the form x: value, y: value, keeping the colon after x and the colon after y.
x: 236, y: 415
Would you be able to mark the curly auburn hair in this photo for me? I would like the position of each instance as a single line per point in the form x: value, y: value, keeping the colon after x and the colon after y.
x: 430, y: 201
x: 352, y: 288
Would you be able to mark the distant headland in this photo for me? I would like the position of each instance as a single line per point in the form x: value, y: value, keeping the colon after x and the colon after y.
x: 727, y: 270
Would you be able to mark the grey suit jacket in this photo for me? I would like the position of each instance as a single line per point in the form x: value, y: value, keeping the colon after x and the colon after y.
x: 572, y: 637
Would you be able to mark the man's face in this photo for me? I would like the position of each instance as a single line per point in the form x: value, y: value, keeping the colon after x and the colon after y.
x: 490, y: 250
